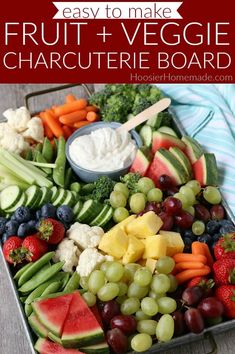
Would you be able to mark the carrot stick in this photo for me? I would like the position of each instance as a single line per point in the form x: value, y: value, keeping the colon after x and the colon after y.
x: 81, y: 124
x: 188, y: 274
x: 92, y: 109
x: 187, y: 265
x: 67, y: 131
x: 92, y: 116
x: 70, y: 98
x: 54, y: 125
x: 202, y: 248
x: 73, y: 117
x: 70, y: 107
x: 189, y: 257
x: 51, y: 111
x: 47, y: 129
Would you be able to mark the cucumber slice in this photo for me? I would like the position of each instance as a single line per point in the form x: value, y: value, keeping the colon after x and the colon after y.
x: 46, y: 196
x: 32, y: 195
x: 61, y: 197
x: 69, y: 199
x: 37, y: 201
x: 75, y: 194
x: 9, y: 197
x: 78, y: 207
x: 103, y: 217
x: 146, y: 134
x: 55, y: 193
x: 20, y: 203
x: 89, y: 211
x: 167, y: 130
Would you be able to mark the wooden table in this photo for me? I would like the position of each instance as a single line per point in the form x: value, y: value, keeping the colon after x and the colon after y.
x: 13, y: 339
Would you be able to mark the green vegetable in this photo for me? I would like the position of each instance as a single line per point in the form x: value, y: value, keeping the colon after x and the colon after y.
x: 22, y: 270
x: 41, y: 159
x: 38, y: 147
x: 73, y: 283
x: 87, y: 188
x: 131, y: 179
x: 47, y: 150
x: 28, y: 309
x: 103, y: 187
x: 68, y: 176
x: 23, y: 298
x: 75, y: 187
x: 59, y: 170
x: 52, y: 288
x: 29, y: 155
x: 37, y: 292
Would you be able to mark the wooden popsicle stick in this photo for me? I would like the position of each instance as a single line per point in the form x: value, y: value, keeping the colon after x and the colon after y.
x: 145, y: 115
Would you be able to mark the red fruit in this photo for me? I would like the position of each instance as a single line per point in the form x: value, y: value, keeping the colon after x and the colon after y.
x: 34, y: 248
x: 192, y: 296
x: 203, y: 282
x: 168, y: 221
x: 224, y: 271
x: 225, y: 247
x: 109, y: 310
x: 211, y: 307
x: 12, y: 250
x: 117, y: 341
x: 201, y: 212
x: 184, y: 220
x: 226, y: 295
x: 127, y: 324
x: 194, y: 320
x: 172, y: 206
x: 51, y: 231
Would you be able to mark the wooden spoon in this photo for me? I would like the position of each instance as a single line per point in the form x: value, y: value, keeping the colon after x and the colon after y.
x: 145, y: 115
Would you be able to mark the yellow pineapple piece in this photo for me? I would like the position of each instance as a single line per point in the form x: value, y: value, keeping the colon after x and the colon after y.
x: 155, y: 247
x: 151, y: 264
x: 134, y: 251
x: 144, y: 226
x: 174, y: 241
x: 114, y: 242
x: 122, y: 225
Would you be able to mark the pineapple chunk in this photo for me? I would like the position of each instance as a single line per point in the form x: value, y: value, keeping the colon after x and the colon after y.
x: 151, y: 264
x: 146, y: 225
x: 114, y: 243
x: 122, y: 225
x: 155, y: 247
x: 174, y: 241
x: 134, y: 251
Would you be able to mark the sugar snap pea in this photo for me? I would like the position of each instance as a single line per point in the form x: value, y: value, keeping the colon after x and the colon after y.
x: 52, y: 288
x: 40, y: 158
x: 28, y: 309
x: 73, y: 282
x: 47, y: 150
x: 38, y: 147
x: 36, y: 266
x: 23, y: 298
x: 22, y: 270
x: 59, y: 170
x: 42, y: 270
x: 41, y: 277
x: 51, y: 296
x: 68, y: 176
x: 65, y: 280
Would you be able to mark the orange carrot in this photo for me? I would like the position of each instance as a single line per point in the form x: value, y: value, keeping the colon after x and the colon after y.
x: 47, y: 129
x: 92, y: 109
x: 200, y: 248
x: 51, y: 111
x: 53, y: 124
x: 73, y: 117
x: 187, y: 265
x: 70, y: 98
x: 189, y: 257
x: 92, y: 116
x: 188, y: 274
x: 67, y: 131
x: 81, y: 124
x: 66, y: 108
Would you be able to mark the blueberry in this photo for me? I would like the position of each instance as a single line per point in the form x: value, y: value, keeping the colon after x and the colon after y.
x: 11, y: 228
x: 38, y: 214
x: 48, y: 211
x: 212, y: 227
x: 189, y: 234
x: 5, y: 237
x: 216, y: 237
x: 13, y: 218
x: 205, y: 238
x: 23, y: 230
x: 226, y: 229
x: 225, y: 222
x: 187, y: 244
x: 65, y: 214
x: 32, y: 225
x: 22, y: 214
x: 3, y: 222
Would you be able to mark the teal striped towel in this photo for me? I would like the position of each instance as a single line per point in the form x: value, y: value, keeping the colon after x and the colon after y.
x: 207, y: 113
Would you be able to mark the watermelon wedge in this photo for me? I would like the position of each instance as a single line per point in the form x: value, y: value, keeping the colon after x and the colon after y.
x: 53, y: 312
x: 183, y: 160
x: 193, y: 149
x: 141, y: 162
x: 44, y: 346
x: 163, y: 140
x: 37, y: 327
x: 205, y: 170
x: 81, y: 327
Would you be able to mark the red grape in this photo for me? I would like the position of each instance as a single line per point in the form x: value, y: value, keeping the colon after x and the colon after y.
x: 184, y: 220
x: 153, y: 206
x: 192, y: 296
x: 117, y: 341
x: 127, y: 324
x: 171, y: 191
x: 168, y: 221
x: 109, y: 310
x: 201, y: 212
x: 165, y: 182
x: 210, y: 307
x: 194, y: 320
x: 180, y: 327
x: 172, y: 206
x: 217, y: 212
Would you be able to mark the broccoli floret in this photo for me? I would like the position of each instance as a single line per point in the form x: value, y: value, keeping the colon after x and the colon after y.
x: 98, y: 99
x: 103, y: 187
x: 116, y: 109
x: 165, y: 118
x: 143, y: 90
x: 155, y: 94
x: 131, y: 179
x: 140, y: 104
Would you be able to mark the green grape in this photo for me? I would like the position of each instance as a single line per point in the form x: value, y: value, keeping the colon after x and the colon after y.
x: 190, y: 210
x: 147, y: 326
x: 120, y: 214
x: 149, y: 306
x: 117, y: 199
x: 154, y: 195
x: 143, y: 276
x: 104, y: 266
x: 212, y: 195
x: 160, y: 283
x: 122, y: 288
x: 141, y: 342
x: 145, y: 184
x: 130, y: 270
x: 108, y: 292
x: 84, y: 282
x: 122, y: 188
x: 189, y: 194
x: 114, y: 272
x: 137, y: 202
x: 166, y: 305
x: 130, y: 306
x: 183, y: 200
x: 165, y: 265
x: 135, y: 290
x: 139, y: 315
x: 156, y: 296
x: 96, y: 281
x: 174, y: 283
x: 194, y: 185
x: 198, y: 228
x: 165, y: 328
x: 89, y: 298
x: 121, y: 299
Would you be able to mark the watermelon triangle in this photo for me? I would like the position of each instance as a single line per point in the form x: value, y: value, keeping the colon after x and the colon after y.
x: 81, y: 326
x: 53, y: 312
x: 45, y: 346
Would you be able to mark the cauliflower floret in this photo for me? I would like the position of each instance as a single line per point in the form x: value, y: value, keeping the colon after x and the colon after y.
x: 34, y: 130
x: 13, y: 141
x: 67, y: 251
x: 5, y: 129
x: 89, y: 260
x: 17, y: 119
x: 85, y: 236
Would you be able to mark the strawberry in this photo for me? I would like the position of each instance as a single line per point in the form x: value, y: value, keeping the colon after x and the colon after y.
x: 225, y: 247
x: 12, y: 250
x: 203, y: 282
x: 224, y: 271
x: 226, y: 294
x: 51, y: 231
x: 34, y: 248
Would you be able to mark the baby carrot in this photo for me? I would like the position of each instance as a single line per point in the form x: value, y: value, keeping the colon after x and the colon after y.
x: 73, y: 117
x: 92, y: 109
x: 70, y: 98
x: 189, y: 257
x: 54, y: 125
x: 187, y: 265
x: 188, y: 274
x: 81, y: 124
x: 47, y: 129
x: 67, y: 131
x: 51, y: 111
x: 70, y: 107
x: 202, y: 248
x: 92, y: 116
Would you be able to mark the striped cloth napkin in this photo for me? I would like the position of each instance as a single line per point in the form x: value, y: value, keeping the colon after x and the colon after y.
x: 207, y: 113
